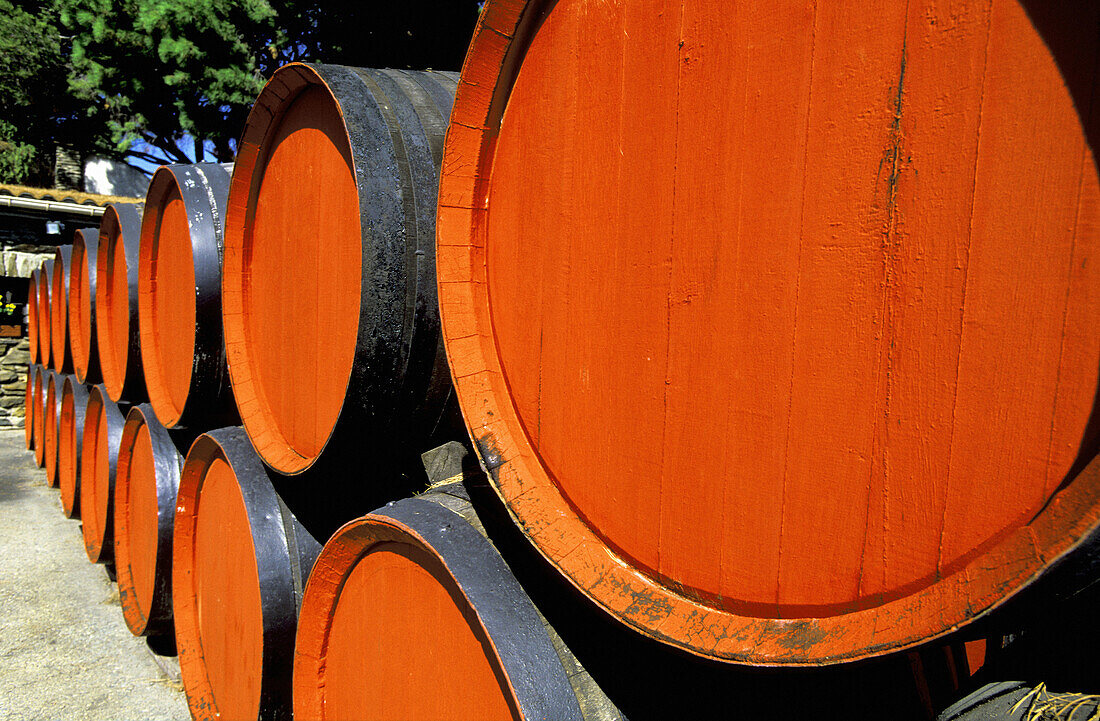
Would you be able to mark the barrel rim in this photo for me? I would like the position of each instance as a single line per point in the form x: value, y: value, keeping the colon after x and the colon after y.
x: 256, y: 416
x: 657, y: 607
x: 82, y: 267
x: 503, y: 611
x: 69, y: 446
x: 98, y: 532
x: 269, y: 544
x: 152, y: 616
x: 124, y: 379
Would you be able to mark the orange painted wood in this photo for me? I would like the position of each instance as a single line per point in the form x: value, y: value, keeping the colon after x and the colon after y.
x: 103, y: 422
x: 146, y: 483
x: 790, y: 356
x: 329, y: 252
x: 116, y: 296
x: 32, y: 313
x: 70, y: 443
x: 39, y: 401
x: 179, y: 288
x: 82, y: 306
x: 414, y: 586
x: 239, y: 561
x: 30, y: 402
x: 52, y: 408
x: 61, y: 356
x: 42, y: 314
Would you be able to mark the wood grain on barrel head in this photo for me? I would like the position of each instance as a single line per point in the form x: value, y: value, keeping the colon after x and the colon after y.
x: 771, y: 312
x: 53, y: 412
x: 116, y: 306
x: 32, y: 314
x: 136, y: 524
x: 168, y: 291
x: 60, y: 357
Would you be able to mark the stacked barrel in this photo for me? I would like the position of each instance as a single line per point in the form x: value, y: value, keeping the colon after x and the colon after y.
x: 724, y: 339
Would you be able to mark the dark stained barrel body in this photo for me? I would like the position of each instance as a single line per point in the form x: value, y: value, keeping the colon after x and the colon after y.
x: 117, y: 336
x: 239, y: 563
x: 179, y: 296
x: 331, y: 318
x: 70, y: 443
x: 149, y: 463
x: 103, y: 423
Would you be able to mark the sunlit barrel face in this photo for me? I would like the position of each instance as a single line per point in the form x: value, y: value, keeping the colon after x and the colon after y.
x: 60, y: 355
x: 74, y: 399
x: 46, y: 282
x: 167, y: 298
x: 113, y: 304
x: 102, y: 428
x: 294, y: 275
x: 399, y: 612
x: 53, y: 408
x: 142, y: 515
x: 81, y: 310
x: 819, y: 334
x: 29, y: 405
x: 32, y: 315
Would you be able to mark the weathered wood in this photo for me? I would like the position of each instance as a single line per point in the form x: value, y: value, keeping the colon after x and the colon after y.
x: 117, y: 336
x: 103, y: 422
x: 82, y: 307
x: 331, y: 318
x: 791, y: 358
x: 179, y: 296
x: 43, y: 313
x: 70, y: 443
x: 30, y: 402
x: 32, y: 314
x: 239, y: 563
x: 52, y: 408
x: 417, y: 585
x: 150, y: 458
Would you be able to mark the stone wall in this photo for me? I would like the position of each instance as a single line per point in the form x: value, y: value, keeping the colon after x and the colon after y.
x: 14, y: 357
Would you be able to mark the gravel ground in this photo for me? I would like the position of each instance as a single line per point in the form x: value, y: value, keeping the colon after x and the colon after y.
x: 65, y: 652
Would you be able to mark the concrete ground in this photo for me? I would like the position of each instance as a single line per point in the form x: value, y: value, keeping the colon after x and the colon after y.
x: 65, y: 651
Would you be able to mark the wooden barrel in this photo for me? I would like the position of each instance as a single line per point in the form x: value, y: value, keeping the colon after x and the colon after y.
x: 116, y: 297
x: 42, y: 314
x: 239, y: 563
x: 52, y: 409
x: 416, y: 585
x: 179, y: 296
x: 70, y: 437
x: 331, y: 319
x: 103, y: 422
x: 39, y: 401
x: 61, y: 355
x: 30, y: 402
x: 82, y: 306
x: 777, y: 333
x: 146, y: 482
x: 32, y: 313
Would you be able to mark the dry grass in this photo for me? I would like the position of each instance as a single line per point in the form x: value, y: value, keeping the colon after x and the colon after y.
x: 1047, y: 706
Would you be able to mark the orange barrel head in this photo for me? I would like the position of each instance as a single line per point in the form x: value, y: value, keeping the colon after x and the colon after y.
x: 116, y: 297
x: 32, y: 313
x: 70, y: 437
x: 146, y: 481
x: 776, y: 331
x: 61, y: 355
x: 52, y: 409
x: 82, y: 306
x: 103, y: 422
x: 331, y: 318
x: 239, y: 563
x: 411, y: 612
x: 42, y: 313
x: 39, y: 401
x: 30, y: 396
x: 179, y: 296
